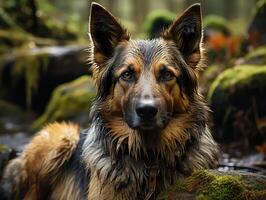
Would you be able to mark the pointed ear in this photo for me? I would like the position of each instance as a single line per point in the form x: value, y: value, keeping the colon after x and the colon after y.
x: 186, y: 33
x: 105, y: 32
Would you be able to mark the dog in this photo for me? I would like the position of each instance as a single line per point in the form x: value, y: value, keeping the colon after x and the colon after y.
x: 148, y: 123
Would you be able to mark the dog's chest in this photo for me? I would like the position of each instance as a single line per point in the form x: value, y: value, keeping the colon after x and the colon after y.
x: 129, y: 182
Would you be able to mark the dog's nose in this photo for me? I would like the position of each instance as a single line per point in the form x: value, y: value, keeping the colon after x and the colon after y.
x: 146, y: 110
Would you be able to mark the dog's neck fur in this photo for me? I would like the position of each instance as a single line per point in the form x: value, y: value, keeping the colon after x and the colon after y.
x: 110, y: 155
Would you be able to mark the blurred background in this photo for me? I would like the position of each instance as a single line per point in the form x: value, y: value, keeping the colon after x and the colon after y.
x: 44, y: 72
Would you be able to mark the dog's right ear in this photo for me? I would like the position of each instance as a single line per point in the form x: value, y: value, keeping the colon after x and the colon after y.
x: 106, y: 33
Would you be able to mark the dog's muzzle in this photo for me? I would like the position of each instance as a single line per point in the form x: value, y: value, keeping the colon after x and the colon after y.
x: 146, y: 111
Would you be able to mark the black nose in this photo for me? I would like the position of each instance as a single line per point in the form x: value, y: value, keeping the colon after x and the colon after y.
x: 146, y: 110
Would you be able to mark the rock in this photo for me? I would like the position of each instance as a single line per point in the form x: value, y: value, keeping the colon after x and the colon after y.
x: 70, y: 101
x: 256, y: 29
x: 6, y: 154
x: 238, y: 101
x: 28, y: 77
x: 215, y: 185
x: 13, y: 119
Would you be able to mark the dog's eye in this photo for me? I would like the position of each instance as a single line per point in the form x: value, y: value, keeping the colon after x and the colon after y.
x: 166, y: 76
x: 128, y: 76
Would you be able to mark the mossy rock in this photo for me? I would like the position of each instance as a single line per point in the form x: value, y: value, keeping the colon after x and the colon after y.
x: 256, y: 56
x: 29, y: 75
x: 157, y: 21
x: 70, y: 101
x: 215, y: 185
x: 217, y: 24
x: 238, y: 100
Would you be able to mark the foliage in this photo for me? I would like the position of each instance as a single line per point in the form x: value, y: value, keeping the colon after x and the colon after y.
x: 13, y: 39
x: 157, y: 21
x: 24, y: 15
x: 256, y: 56
x: 216, y: 23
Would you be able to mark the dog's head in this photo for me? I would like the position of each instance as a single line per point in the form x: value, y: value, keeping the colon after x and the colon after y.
x: 145, y: 84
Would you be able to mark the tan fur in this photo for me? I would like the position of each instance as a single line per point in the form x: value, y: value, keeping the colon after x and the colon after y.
x: 105, y: 191
x: 96, y: 191
x: 66, y: 189
x: 50, y: 148
x: 43, y: 157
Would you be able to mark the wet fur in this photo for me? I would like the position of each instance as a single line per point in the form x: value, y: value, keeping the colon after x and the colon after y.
x: 109, y: 159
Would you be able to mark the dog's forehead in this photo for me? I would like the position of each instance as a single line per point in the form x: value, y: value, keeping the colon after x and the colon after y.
x: 148, y: 50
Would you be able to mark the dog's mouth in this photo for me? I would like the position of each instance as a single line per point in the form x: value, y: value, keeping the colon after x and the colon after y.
x: 147, y: 125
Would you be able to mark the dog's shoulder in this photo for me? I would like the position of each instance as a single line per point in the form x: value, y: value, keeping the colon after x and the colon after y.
x: 51, y: 147
x: 41, y: 164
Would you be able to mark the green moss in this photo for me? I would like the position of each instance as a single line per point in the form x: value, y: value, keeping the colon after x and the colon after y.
x: 260, y: 7
x: 157, y: 21
x: 257, y: 56
x: 30, y: 66
x: 68, y: 101
x: 218, y: 23
x: 240, y: 75
x: 3, y: 148
x: 224, y: 187
x: 214, y: 185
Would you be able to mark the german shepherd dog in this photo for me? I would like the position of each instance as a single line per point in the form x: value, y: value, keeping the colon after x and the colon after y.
x: 149, y: 124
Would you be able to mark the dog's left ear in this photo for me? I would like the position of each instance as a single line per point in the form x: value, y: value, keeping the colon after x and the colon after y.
x: 186, y: 32
x: 105, y: 31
